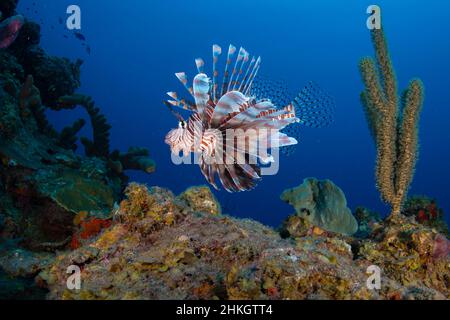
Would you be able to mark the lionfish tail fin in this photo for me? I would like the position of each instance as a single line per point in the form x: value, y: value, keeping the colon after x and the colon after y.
x: 314, y: 107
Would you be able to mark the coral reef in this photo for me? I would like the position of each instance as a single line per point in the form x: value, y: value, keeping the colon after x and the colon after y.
x: 322, y: 204
x: 44, y: 183
x: 426, y: 211
x: 393, y: 122
x: 201, y: 199
x: 99, y: 146
x: 159, y: 247
x: 8, y: 8
x: 133, y: 159
x: 368, y: 222
x: 406, y: 252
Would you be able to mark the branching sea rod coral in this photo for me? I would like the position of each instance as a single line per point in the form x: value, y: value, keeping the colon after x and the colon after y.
x: 100, y: 145
x: 393, y: 122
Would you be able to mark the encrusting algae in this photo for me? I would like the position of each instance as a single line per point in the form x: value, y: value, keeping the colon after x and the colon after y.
x: 393, y: 122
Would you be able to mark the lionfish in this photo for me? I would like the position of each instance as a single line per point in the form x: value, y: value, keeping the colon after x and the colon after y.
x: 224, y: 112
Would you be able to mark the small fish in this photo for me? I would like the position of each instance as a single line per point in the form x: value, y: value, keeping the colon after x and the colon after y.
x: 80, y: 36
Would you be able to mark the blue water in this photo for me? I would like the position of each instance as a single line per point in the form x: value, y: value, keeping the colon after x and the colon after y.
x: 138, y: 45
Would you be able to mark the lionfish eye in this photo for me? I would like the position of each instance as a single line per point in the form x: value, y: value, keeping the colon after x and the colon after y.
x: 182, y: 124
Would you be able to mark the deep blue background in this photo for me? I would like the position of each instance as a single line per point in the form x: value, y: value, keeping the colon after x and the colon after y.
x: 137, y: 45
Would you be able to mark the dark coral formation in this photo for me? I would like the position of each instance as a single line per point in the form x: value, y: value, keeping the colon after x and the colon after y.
x: 53, y: 76
x: 8, y: 7
x: 160, y: 247
x: 44, y: 183
x: 99, y: 146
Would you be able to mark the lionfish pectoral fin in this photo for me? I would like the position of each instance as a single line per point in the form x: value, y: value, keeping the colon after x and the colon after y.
x: 230, y: 102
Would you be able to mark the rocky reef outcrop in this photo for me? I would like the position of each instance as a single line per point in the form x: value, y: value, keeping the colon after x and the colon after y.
x: 161, y: 247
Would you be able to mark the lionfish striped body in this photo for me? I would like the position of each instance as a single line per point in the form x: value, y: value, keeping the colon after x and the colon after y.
x: 229, y: 124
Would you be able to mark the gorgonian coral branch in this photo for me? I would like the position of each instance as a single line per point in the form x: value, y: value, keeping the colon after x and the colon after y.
x: 396, y: 137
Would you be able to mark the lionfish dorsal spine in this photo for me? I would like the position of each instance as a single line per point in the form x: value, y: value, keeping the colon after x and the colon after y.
x: 239, y: 59
x: 200, y: 65
x: 245, y: 57
x: 201, y: 92
x: 252, y: 77
x: 181, y: 103
x: 217, y: 51
x: 226, y: 75
x: 244, y: 80
x: 184, y: 81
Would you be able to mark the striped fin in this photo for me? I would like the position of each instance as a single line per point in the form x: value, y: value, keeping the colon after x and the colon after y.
x: 280, y: 114
x: 246, y: 90
x: 228, y: 103
x: 249, y: 114
x: 245, y: 58
x: 236, y: 178
x: 209, y: 172
x: 201, y: 89
x: 200, y: 65
x: 176, y: 114
x: 217, y: 51
x: 247, y: 74
x: 240, y: 58
x: 183, y: 79
x: 179, y: 103
x: 226, y: 75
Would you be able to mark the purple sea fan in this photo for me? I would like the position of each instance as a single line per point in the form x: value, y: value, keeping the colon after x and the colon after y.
x: 231, y: 129
x: 9, y: 30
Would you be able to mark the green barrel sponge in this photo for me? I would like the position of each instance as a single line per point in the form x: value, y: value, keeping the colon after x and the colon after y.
x: 323, y: 204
